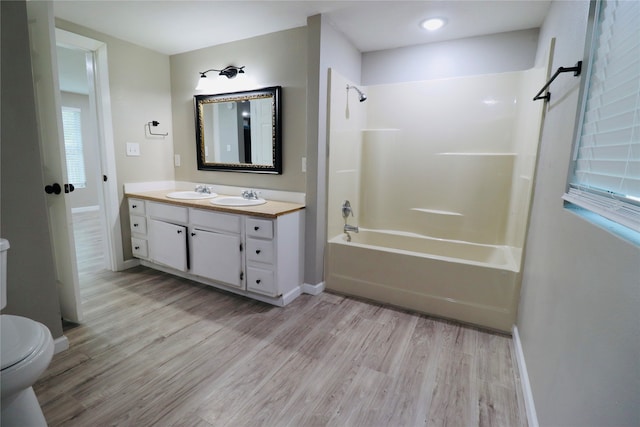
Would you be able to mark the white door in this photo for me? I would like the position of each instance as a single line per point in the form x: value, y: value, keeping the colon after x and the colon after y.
x: 261, y: 132
x: 44, y: 64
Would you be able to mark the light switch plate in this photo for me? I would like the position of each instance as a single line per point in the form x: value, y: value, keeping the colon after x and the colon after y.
x: 133, y: 149
x: 176, y: 160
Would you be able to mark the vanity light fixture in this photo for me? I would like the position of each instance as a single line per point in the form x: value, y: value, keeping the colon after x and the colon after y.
x: 432, y: 24
x: 230, y: 71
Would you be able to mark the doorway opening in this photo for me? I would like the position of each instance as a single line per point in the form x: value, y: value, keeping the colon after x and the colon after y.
x: 89, y: 151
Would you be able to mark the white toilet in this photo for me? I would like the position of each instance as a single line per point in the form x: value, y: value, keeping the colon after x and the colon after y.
x: 26, y: 348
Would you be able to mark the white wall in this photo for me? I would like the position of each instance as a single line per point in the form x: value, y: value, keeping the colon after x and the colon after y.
x: 496, y: 53
x: 579, y: 316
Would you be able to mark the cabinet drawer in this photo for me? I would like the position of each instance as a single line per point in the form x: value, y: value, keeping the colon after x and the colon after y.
x: 260, y: 251
x: 261, y: 281
x: 167, y: 212
x: 215, y: 220
x: 138, y: 224
x: 139, y: 247
x: 262, y: 228
x: 136, y: 206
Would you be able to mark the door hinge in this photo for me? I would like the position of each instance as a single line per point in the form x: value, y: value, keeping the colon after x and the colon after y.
x: 241, y: 275
x: 240, y: 247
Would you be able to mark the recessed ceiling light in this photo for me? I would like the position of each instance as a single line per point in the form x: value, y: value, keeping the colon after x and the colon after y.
x: 433, y: 24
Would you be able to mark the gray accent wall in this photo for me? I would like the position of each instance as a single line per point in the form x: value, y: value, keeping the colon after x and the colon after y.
x: 328, y: 48
x: 31, y: 281
x: 275, y: 59
x: 579, y: 315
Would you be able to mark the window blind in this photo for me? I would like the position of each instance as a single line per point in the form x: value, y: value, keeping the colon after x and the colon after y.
x: 72, y: 128
x: 606, y: 169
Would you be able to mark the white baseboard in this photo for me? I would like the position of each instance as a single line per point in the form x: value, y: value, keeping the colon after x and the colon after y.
x: 129, y: 263
x: 60, y: 344
x: 85, y: 209
x: 529, y: 404
x: 291, y: 295
x: 316, y: 289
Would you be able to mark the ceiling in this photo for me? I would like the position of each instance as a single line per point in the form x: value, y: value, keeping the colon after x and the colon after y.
x: 177, y: 26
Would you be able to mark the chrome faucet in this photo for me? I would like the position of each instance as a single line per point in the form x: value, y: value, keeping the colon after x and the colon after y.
x: 204, y: 189
x: 250, y: 194
x: 346, y: 211
x: 351, y: 228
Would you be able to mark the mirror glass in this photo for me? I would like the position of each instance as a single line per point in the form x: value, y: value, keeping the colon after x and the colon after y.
x: 239, y: 131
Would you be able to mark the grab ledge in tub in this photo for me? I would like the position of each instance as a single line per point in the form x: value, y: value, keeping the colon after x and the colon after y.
x: 437, y: 212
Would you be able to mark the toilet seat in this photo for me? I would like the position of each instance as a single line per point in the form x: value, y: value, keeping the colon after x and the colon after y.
x: 21, y: 337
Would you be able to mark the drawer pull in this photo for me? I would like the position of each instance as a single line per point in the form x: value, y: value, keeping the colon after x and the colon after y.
x: 258, y: 251
x: 256, y: 228
x: 258, y: 282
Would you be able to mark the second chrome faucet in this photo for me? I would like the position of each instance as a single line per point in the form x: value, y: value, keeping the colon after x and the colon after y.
x: 346, y: 211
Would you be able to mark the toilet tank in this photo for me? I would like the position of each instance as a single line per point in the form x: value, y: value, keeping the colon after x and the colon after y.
x: 4, y: 248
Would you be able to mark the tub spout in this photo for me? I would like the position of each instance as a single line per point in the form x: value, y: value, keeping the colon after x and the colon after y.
x: 350, y: 228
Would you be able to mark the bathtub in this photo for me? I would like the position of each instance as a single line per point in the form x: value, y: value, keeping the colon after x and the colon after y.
x: 467, y: 282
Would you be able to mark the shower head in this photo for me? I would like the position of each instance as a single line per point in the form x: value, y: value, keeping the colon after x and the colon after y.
x: 362, y: 96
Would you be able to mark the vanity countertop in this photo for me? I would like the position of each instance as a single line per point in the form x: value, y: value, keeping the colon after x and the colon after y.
x: 271, y: 209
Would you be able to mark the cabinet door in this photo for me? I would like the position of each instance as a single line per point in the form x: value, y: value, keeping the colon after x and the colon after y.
x: 216, y: 256
x: 168, y: 244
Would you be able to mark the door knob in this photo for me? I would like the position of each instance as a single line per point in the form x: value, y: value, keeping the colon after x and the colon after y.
x: 68, y: 188
x: 53, y: 189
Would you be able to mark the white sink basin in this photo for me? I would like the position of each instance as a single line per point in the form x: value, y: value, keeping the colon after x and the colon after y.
x: 190, y: 195
x: 237, y: 201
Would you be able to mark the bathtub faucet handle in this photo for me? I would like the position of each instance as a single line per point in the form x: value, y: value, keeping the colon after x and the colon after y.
x: 346, y: 209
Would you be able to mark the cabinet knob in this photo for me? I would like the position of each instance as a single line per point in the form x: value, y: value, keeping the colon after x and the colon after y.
x: 179, y: 231
x: 258, y: 251
x: 135, y: 225
x: 134, y: 206
x: 193, y: 234
x: 258, y: 282
x: 256, y: 228
x: 136, y: 247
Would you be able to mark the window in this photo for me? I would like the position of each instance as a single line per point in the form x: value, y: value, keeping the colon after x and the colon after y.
x: 71, y: 125
x: 605, y: 175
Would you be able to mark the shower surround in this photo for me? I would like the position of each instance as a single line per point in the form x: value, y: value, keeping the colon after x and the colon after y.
x: 439, y: 174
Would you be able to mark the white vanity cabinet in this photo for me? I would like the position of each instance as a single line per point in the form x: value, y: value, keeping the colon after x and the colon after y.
x: 167, y: 234
x: 216, y: 247
x: 257, y: 256
x: 138, y: 225
x: 274, y: 254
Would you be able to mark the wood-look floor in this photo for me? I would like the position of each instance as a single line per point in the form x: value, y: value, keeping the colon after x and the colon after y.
x: 157, y: 350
